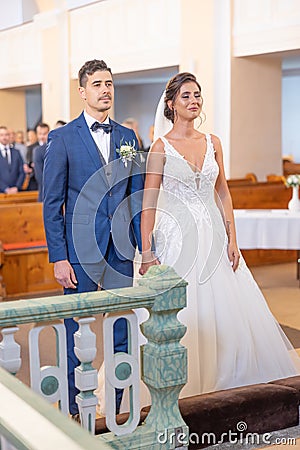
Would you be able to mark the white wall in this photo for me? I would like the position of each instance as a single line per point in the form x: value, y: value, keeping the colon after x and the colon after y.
x: 21, y: 56
x: 130, y: 35
x: 291, y: 116
x: 265, y: 26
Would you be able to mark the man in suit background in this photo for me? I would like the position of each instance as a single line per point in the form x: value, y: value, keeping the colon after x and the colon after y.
x: 42, y: 131
x: 11, y: 165
x: 100, y: 194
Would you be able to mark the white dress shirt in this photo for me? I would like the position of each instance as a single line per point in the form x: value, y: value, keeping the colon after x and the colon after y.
x: 4, y: 149
x: 101, y: 138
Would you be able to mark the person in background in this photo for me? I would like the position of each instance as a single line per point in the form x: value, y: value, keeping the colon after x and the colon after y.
x: 17, y: 145
x: 60, y: 123
x: 133, y: 124
x: 31, y: 138
x: 11, y: 165
x: 42, y: 131
x: 151, y: 137
x: 20, y: 137
x: 30, y: 183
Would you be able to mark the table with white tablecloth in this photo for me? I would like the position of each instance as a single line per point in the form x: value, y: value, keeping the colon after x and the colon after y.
x: 267, y: 229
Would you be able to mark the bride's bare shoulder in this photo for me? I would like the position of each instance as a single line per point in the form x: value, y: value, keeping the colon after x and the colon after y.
x: 215, y: 140
x: 158, y: 146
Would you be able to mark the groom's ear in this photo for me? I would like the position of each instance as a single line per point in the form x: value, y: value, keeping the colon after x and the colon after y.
x: 82, y: 92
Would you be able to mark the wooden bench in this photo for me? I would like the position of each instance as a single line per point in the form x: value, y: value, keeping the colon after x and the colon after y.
x: 290, y: 168
x: 25, y: 269
x: 19, y: 197
x: 250, y: 178
x: 263, y: 195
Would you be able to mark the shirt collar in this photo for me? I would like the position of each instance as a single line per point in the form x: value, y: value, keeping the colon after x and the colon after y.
x: 90, y: 120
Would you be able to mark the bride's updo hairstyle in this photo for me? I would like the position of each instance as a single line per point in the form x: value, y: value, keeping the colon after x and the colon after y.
x: 173, y: 88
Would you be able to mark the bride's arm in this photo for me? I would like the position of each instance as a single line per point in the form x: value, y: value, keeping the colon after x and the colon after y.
x: 226, y: 206
x: 155, y: 165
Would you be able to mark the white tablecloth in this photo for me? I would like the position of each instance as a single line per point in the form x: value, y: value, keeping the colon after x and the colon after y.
x: 267, y: 228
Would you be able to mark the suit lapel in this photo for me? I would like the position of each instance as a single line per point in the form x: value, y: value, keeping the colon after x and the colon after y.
x: 118, y: 167
x: 90, y: 145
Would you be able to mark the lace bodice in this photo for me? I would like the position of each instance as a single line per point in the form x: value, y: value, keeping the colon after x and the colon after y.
x: 181, y: 180
x: 188, y: 217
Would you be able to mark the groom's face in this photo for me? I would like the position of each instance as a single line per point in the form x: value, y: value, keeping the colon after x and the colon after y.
x: 98, y: 93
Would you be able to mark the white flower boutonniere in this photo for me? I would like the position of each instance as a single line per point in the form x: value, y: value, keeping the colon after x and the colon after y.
x: 127, y: 151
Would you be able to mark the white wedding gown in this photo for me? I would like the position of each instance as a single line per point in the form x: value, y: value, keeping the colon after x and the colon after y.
x: 232, y: 337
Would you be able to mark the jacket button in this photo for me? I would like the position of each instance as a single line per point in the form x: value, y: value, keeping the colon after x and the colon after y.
x: 110, y: 193
x: 110, y: 216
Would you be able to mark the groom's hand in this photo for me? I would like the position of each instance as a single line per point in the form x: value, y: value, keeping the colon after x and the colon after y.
x: 64, y: 274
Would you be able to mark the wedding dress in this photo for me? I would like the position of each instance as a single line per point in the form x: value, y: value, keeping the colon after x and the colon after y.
x: 232, y: 338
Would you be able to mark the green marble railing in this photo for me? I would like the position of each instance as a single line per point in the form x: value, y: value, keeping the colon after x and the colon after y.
x: 163, y: 358
x: 27, y: 421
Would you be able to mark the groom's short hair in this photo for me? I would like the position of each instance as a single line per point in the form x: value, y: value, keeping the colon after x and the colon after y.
x: 89, y: 68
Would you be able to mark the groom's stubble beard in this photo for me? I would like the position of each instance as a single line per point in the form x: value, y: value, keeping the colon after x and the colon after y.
x: 103, y: 108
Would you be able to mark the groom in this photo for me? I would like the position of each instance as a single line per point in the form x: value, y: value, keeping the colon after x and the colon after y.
x: 92, y: 200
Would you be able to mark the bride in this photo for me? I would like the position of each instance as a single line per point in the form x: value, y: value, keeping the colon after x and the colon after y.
x: 232, y: 337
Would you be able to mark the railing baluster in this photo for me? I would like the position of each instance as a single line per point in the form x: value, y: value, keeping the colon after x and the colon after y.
x: 122, y: 371
x: 50, y: 381
x: 164, y: 359
x: 85, y: 375
x: 10, y: 351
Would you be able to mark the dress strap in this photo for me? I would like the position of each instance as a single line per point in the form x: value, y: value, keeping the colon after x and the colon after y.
x: 168, y: 147
x: 209, y: 141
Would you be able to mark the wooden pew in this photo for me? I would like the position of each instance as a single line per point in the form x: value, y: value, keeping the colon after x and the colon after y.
x: 263, y: 195
x: 249, y: 178
x: 25, y: 269
x: 19, y: 197
x: 290, y: 168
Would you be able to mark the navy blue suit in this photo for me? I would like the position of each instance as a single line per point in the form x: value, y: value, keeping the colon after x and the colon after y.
x: 100, y: 227
x: 11, y: 174
x: 38, y: 160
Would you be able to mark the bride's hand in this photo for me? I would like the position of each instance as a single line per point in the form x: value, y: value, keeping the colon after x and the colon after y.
x: 233, y: 255
x: 148, y: 260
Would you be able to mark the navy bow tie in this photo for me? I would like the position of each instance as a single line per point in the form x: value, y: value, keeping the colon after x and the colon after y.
x: 106, y: 127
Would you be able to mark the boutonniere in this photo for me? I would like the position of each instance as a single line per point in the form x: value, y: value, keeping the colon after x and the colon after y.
x: 127, y: 151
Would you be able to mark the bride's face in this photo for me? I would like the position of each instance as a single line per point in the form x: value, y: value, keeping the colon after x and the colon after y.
x: 188, y: 102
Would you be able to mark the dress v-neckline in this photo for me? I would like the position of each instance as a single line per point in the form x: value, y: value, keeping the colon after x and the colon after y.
x: 195, y: 172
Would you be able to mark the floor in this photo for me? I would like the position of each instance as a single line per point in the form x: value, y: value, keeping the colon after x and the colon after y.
x: 282, y: 292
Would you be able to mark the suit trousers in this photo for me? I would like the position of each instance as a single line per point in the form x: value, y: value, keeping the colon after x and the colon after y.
x: 112, y: 273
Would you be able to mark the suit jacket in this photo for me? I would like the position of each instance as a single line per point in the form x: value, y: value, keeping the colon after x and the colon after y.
x: 86, y: 200
x: 38, y: 159
x: 11, y: 174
